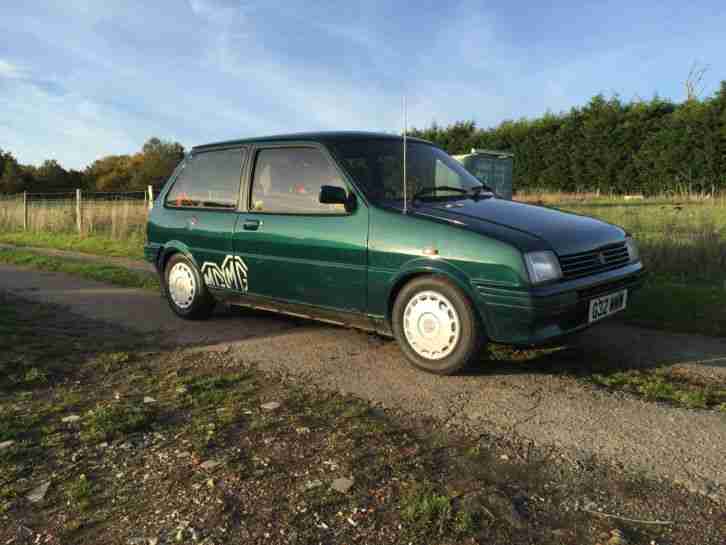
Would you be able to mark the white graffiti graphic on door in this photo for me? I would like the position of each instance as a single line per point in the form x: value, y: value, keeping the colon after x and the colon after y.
x: 232, y: 275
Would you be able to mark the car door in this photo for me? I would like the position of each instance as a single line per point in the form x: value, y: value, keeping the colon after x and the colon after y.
x: 293, y: 247
x: 201, y: 210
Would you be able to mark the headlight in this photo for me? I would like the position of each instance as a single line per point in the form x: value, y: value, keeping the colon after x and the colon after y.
x: 633, y: 252
x: 542, y: 267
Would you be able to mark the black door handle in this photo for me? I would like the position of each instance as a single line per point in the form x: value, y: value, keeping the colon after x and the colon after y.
x: 252, y: 225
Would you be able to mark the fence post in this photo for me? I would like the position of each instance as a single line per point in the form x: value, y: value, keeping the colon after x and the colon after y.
x: 79, y: 218
x: 25, y: 210
x: 150, y: 194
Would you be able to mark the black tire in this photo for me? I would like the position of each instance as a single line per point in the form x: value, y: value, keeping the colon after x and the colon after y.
x: 201, y: 304
x: 470, y: 335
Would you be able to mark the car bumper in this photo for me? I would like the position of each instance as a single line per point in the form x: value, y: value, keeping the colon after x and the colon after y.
x: 543, y: 314
x: 151, y: 254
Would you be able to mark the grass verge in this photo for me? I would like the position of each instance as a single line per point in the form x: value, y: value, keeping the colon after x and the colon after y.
x: 671, y: 304
x: 131, y: 247
x: 666, y: 385
x: 93, y: 271
x: 673, y: 385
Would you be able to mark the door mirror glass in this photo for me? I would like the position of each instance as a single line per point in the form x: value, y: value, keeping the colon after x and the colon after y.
x: 330, y: 194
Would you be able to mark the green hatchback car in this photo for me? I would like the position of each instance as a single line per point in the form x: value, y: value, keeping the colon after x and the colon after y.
x: 323, y: 226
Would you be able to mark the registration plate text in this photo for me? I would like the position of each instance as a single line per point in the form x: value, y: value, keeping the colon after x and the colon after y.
x: 606, y: 305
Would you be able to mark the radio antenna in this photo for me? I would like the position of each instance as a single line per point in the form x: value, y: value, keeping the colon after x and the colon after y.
x: 405, y: 128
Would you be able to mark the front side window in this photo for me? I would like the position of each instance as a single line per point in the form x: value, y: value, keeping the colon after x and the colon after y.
x: 288, y: 181
x: 377, y: 168
x: 208, y: 180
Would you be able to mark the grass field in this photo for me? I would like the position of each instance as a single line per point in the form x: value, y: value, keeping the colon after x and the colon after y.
x: 112, y: 219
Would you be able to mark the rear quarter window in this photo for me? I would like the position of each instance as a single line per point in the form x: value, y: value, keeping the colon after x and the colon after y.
x: 208, y: 180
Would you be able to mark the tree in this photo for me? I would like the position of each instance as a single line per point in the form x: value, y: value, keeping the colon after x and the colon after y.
x: 50, y: 177
x: 111, y: 173
x: 158, y: 159
x: 11, y: 180
x: 694, y: 82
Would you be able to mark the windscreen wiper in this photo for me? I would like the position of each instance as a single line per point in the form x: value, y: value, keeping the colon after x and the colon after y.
x: 434, y: 189
x: 478, y: 190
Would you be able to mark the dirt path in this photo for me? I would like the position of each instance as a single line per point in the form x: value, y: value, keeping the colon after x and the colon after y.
x: 537, y: 400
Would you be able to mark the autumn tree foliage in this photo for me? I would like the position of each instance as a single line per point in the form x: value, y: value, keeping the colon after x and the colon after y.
x: 150, y: 166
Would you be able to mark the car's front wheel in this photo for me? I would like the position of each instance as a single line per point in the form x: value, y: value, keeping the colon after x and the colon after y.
x: 186, y: 292
x: 436, y: 325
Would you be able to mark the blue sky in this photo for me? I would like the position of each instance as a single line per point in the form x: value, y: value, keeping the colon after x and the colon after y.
x: 80, y: 79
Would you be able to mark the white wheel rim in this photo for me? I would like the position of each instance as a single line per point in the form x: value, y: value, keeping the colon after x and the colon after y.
x: 431, y: 325
x: 182, y: 285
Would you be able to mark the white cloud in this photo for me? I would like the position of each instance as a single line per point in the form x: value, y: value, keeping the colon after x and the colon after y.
x: 10, y: 71
x: 218, y: 12
x: 71, y: 129
x: 315, y: 97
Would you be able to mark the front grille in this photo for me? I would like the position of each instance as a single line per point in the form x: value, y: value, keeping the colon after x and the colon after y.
x: 603, y: 259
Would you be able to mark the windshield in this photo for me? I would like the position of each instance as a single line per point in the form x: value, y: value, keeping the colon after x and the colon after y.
x: 376, y: 167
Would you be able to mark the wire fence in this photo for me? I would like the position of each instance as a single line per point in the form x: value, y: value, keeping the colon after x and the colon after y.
x: 114, y: 214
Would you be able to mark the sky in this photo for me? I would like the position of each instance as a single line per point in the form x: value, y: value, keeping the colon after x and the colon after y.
x: 81, y: 79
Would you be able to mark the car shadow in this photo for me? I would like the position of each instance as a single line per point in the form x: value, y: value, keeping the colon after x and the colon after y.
x: 607, y: 349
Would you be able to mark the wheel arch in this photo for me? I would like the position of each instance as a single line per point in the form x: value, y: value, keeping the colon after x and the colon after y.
x: 425, y: 267
x: 171, y: 248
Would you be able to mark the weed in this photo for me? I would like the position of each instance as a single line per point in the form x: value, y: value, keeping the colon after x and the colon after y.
x: 356, y: 409
x: 663, y: 385
x: 112, y: 360
x: 424, y: 509
x: 214, y: 389
x: 7, y: 495
x: 203, y: 433
x: 17, y: 425
x: 465, y: 522
x: 79, y: 493
x: 35, y: 376
x: 107, y: 422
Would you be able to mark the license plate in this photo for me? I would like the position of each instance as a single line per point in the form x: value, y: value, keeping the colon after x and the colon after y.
x: 607, y: 305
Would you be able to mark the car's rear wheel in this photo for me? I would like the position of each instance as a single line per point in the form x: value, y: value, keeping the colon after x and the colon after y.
x: 436, y: 325
x: 186, y: 292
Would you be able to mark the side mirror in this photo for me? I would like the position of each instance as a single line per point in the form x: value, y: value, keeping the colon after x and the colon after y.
x: 330, y: 194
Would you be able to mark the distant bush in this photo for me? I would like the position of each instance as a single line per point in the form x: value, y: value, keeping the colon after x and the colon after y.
x: 608, y: 145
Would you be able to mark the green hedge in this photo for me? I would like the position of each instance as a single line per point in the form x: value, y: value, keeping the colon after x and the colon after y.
x: 654, y: 146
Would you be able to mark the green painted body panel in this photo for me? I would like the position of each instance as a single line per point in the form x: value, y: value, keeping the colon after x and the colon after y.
x: 316, y: 260
x: 204, y: 235
x: 354, y: 263
x: 396, y: 252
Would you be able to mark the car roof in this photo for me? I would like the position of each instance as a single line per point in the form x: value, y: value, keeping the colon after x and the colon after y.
x: 326, y: 137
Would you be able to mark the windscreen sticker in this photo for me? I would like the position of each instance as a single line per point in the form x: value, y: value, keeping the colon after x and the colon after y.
x: 232, y: 275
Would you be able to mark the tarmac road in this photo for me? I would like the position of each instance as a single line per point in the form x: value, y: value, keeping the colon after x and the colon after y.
x: 536, y: 400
